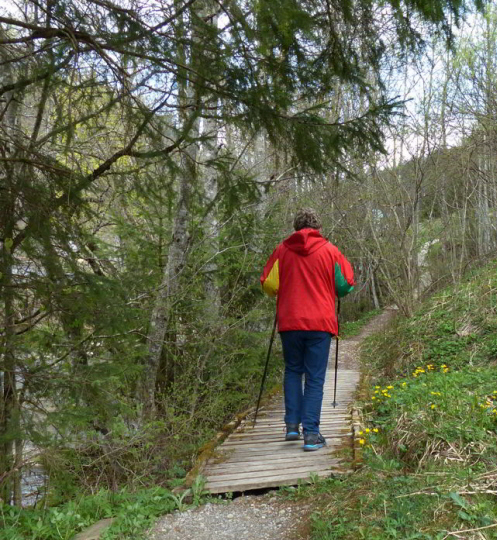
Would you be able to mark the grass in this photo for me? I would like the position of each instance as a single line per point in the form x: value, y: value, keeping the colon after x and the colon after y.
x: 133, y: 514
x: 429, y: 437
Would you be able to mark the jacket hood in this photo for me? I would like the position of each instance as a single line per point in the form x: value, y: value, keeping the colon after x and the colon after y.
x: 305, y: 241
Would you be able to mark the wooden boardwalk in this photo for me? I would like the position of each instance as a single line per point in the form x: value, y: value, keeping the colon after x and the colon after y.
x: 254, y: 458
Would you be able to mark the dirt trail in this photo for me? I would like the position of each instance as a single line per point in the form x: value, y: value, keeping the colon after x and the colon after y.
x: 251, y: 517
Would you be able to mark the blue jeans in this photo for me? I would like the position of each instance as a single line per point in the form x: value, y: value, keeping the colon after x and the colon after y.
x: 305, y: 353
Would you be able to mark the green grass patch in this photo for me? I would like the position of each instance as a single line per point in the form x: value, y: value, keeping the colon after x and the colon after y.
x: 133, y: 514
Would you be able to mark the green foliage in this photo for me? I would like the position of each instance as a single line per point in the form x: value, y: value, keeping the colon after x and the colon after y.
x: 436, y: 414
x: 132, y: 513
x: 457, y: 324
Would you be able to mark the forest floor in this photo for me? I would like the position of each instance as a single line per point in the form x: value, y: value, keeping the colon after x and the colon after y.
x: 271, y: 516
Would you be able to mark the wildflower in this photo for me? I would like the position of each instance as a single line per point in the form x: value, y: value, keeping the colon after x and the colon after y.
x: 367, y: 430
x: 360, y: 432
x: 375, y: 430
x: 377, y: 387
x: 404, y: 384
x: 362, y: 441
x: 374, y: 397
x: 433, y: 406
x: 376, y: 391
x: 389, y: 387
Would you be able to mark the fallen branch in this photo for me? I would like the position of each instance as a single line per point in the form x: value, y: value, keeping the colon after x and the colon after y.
x: 457, y: 533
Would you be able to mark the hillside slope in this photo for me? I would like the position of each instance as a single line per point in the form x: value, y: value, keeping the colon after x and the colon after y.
x: 429, y: 442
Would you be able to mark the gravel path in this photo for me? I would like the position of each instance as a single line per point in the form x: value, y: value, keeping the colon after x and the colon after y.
x: 266, y: 517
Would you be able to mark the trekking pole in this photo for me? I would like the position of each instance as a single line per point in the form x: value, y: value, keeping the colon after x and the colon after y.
x: 336, y: 355
x: 265, y: 368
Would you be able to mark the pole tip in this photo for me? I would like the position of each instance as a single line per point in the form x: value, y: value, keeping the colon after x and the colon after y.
x: 335, y: 403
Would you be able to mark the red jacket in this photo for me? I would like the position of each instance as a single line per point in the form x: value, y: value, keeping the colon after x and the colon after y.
x: 307, y: 272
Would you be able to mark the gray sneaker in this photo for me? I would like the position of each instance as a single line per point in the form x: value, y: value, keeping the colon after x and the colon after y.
x: 292, y: 432
x: 313, y: 441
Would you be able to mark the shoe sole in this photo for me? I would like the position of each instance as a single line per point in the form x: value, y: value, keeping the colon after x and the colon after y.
x: 292, y: 436
x: 313, y: 447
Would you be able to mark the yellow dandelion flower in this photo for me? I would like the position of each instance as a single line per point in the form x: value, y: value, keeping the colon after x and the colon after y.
x: 362, y: 441
x: 389, y: 387
x: 377, y: 387
x: 367, y: 430
x: 360, y: 432
x: 374, y: 397
x: 404, y: 384
x: 376, y: 430
x: 433, y: 406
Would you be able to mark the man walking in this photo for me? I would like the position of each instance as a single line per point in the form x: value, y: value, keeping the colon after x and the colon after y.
x: 306, y: 273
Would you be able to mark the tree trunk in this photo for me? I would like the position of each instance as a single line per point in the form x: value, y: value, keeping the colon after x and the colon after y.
x: 189, y: 101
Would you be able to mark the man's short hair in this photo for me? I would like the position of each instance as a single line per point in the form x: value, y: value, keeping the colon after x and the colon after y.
x: 306, y: 218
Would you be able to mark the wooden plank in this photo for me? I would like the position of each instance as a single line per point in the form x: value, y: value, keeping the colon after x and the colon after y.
x: 279, y: 424
x: 254, y: 466
x: 280, y: 434
x: 274, y: 445
x: 277, y: 416
x: 257, y: 455
x: 295, y: 451
x: 304, y: 470
x: 260, y: 483
x: 280, y: 461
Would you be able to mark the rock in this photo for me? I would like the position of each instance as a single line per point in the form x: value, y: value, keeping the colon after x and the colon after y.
x: 95, y: 531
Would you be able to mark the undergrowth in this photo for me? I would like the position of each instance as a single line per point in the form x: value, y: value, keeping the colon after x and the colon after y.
x: 132, y: 514
x: 429, y: 436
